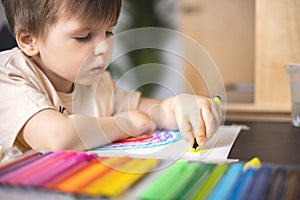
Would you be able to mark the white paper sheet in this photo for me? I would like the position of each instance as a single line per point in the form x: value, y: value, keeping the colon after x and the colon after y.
x: 215, y: 150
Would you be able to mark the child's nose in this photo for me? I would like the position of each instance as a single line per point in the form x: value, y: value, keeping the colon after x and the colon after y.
x: 102, y: 47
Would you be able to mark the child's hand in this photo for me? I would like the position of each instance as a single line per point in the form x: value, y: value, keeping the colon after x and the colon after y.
x: 196, y: 117
x: 134, y: 122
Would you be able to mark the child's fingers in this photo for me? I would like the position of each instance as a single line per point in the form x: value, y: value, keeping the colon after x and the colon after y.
x: 202, y: 117
x: 212, y: 117
x: 211, y: 114
x: 206, y: 121
x: 134, y: 122
x: 209, y: 121
x: 199, y: 127
x: 186, y: 131
x: 217, y: 112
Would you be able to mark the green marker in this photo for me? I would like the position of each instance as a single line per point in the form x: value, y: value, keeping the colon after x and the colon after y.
x: 211, y: 182
x: 165, y: 182
x: 198, y: 180
x: 182, y: 181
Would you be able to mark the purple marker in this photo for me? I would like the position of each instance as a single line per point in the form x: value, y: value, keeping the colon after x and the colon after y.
x: 68, y: 168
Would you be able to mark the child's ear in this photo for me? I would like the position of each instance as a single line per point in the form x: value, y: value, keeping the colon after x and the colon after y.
x: 27, y: 43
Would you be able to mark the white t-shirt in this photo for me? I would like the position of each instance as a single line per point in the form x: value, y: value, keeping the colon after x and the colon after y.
x: 26, y: 90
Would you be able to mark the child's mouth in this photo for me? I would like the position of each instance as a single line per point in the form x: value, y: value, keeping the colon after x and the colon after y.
x: 98, y: 70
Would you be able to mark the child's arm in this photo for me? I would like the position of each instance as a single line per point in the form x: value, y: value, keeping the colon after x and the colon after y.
x: 195, y: 116
x: 49, y: 129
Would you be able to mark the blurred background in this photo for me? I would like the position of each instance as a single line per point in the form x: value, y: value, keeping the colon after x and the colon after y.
x: 6, y: 39
x: 250, y: 42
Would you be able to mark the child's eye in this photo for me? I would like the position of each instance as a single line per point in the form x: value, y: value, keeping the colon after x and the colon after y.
x: 84, y: 38
x: 109, y: 33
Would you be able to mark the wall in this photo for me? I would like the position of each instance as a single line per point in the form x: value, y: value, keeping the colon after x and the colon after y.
x: 251, y: 42
x: 226, y: 31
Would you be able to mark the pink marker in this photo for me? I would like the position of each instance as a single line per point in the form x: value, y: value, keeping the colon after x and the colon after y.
x: 57, y: 169
x: 68, y: 168
x: 30, y: 168
x: 61, y: 155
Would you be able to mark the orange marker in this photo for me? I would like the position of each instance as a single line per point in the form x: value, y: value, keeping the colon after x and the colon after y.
x: 85, y: 177
x: 117, y: 182
x: 53, y: 184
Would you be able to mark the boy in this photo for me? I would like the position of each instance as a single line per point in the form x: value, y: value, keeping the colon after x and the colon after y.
x: 57, y: 95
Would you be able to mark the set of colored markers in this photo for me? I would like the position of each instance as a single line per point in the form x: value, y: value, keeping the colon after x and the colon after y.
x: 191, y: 180
x: 83, y: 174
x: 75, y: 172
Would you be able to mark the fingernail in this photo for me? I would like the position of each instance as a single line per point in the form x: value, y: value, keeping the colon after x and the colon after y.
x: 201, y: 143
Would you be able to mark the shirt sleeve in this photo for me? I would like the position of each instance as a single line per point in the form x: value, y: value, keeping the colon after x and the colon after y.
x: 19, y: 101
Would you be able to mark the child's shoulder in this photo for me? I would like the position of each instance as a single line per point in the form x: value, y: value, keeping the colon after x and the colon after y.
x: 12, y: 55
x: 15, y: 59
x: 11, y: 52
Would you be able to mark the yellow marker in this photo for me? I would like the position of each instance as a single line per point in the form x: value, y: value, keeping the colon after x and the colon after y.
x: 117, y: 182
x: 87, y: 176
x: 197, y: 150
x: 218, y: 100
x: 253, y: 163
x: 191, y: 150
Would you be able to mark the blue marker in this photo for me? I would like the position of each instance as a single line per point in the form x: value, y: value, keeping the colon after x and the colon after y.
x: 261, y: 184
x: 243, y: 185
x: 223, y: 189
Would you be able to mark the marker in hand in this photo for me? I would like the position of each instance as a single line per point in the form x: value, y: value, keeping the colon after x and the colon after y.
x: 217, y: 99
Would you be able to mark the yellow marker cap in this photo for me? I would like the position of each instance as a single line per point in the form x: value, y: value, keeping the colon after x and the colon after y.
x: 217, y: 99
x: 253, y: 163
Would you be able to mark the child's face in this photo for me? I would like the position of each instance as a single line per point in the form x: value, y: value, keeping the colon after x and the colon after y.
x: 75, y: 52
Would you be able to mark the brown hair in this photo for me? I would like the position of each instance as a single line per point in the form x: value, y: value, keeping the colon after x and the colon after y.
x: 36, y: 16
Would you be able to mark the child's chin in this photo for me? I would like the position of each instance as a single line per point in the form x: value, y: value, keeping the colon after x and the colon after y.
x: 91, y: 80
